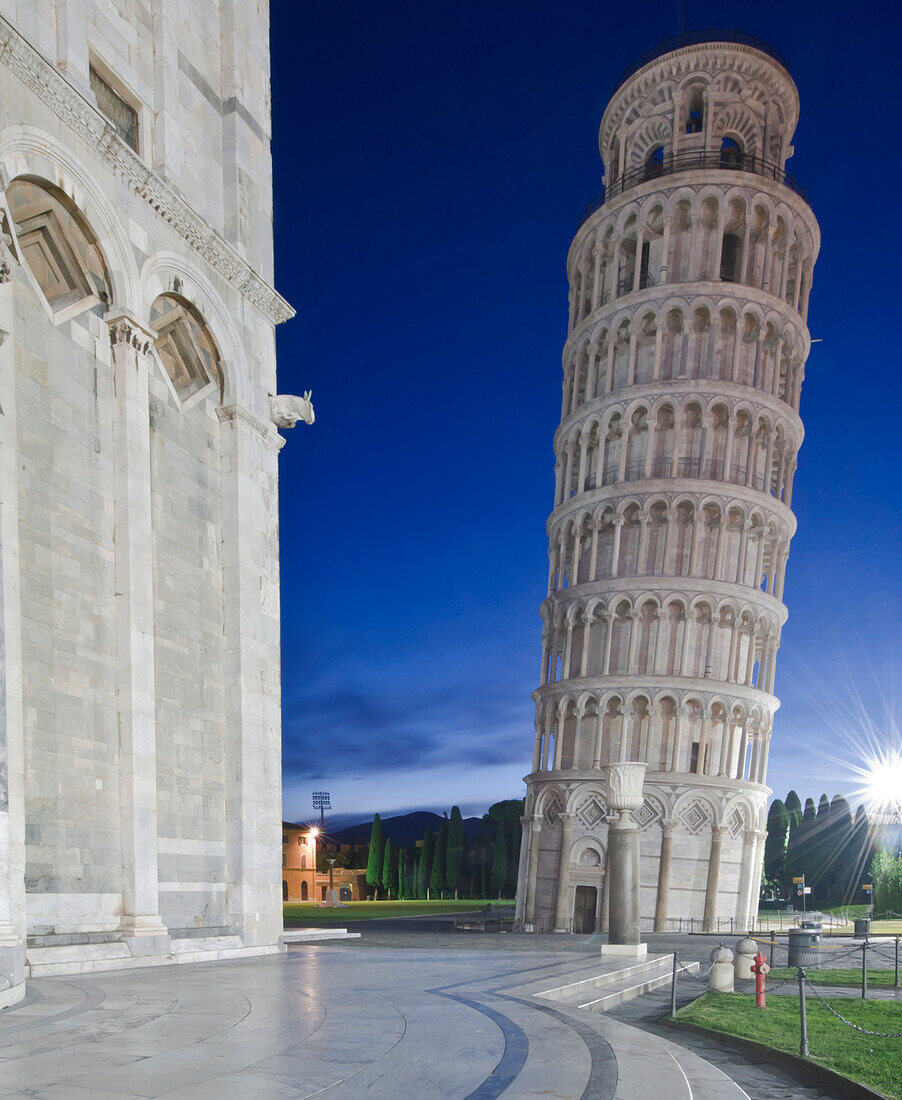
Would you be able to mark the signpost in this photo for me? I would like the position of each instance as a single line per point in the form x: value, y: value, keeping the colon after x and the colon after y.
x: 801, y: 889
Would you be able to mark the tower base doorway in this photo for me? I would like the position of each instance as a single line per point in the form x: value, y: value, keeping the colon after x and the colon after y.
x: 584, y: 906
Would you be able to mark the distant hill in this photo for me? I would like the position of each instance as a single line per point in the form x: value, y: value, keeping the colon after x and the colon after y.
x: 404, y: 830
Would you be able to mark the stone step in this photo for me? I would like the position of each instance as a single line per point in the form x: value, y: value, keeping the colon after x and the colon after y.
x: 609, y: 970
x: 292, y: 936
x: 604, y: 990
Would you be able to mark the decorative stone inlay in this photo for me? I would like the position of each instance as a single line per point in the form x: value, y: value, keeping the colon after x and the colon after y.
x: 591, y: 812
x: 50, y: 86
x: 553, y: 812
x: 646, y: 815
x: 694, y: 817
x: 736, y: 824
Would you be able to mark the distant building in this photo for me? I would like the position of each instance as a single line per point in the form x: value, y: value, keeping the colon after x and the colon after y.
x: 300, y: 880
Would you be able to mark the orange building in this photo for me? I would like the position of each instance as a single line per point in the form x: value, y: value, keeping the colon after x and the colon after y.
x: 300, y: 881
x: 298, y: 862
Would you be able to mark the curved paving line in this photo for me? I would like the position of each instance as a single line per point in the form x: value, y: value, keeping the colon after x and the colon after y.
x: 516, y: 1047
x: 603, y: 1072
x: 92, y: 997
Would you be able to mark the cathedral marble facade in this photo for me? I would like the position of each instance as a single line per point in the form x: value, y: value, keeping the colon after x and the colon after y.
x: 140, y: 806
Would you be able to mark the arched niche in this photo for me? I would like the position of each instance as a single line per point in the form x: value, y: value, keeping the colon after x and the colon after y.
x: 186, y: 350
x: 60, y: 249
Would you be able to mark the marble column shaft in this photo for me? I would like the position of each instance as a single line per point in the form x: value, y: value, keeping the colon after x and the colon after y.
x: 713, y: 882
x: 12, y: 749
x: 562, y: 915
x: 663, y: 897
x: 135, y: 695
x: 532, y: 871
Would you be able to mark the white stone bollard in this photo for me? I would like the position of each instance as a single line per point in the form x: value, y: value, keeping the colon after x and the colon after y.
x: 720, y: 979
x: 746, y: 950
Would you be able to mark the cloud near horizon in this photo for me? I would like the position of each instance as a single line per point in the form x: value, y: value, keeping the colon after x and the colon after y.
x: 329, y: 731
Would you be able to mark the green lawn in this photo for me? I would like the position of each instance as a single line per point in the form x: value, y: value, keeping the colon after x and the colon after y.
x: 873, y: 1062
x: 825, y: 976
x: 372, y: 910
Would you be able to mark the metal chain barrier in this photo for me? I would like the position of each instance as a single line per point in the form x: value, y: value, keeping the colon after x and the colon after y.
x: 848, y: 1023
x: 702, y: 978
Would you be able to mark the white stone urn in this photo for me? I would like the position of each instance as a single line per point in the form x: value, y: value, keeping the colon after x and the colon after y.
x: 720, y: 979
x: 746, y: 950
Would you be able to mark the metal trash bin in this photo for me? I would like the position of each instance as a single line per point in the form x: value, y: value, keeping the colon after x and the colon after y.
x: 862, y: 927
x: 811, y: 925
x: 804, y: 948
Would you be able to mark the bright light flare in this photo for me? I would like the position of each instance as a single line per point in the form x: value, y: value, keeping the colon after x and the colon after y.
x: 314, y: 832
x: 882, y: 782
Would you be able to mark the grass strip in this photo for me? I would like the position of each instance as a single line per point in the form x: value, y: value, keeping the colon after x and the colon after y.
x: 374, y: 910
x: 872, y: 1062
x: 880, y: 979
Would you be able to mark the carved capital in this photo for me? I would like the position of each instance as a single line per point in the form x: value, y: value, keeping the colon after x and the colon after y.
x: 126, y: 330
x: 623, y: 785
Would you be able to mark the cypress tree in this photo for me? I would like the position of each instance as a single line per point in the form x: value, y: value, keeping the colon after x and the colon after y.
x: 794, y: 805
x: 864, y: 850
x: 794, y: 865
x: 375, y: 856
x: 388, y: 879
x: 439, y: 859
x: 837, y: 851
x: 777, y: 836
x: 424, y: 866
x: 499, y: 872
x: 455, y: 853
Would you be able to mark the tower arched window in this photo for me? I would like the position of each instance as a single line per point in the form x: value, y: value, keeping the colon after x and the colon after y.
x: 729, y: 258
x: 731, y: 155
x: 654, y: 163
x: 695, y: 114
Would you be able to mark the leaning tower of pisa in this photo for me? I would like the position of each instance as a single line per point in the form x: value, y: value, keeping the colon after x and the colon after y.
x: 689, y: 282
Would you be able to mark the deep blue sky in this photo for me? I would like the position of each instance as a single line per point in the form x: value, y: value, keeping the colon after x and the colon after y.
x: 431, y: 162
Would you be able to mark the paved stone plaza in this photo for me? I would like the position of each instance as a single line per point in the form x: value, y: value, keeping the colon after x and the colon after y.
x: 391, y: 1015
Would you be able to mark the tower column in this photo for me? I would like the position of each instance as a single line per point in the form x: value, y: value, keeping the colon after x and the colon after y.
x: 562, y: 919
x: 713, y: 883
x: 663, y: 898
x: 624, y: 796
x: 532, y: 871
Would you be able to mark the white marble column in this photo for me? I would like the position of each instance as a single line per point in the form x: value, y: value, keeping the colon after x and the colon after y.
x: 562, y: 914
x: 135, y: 681
x: 249, y: 449
x: 713, y: 884
x: 13, y: 924
x: 623, y: 790
x: 663, y: 898
x: 746, y: 874
x: 532, y: 870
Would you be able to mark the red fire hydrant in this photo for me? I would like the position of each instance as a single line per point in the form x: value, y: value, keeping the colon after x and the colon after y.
x: 759, y: 968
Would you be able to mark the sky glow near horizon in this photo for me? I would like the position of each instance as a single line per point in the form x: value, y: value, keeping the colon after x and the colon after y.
x: 431, y: 163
